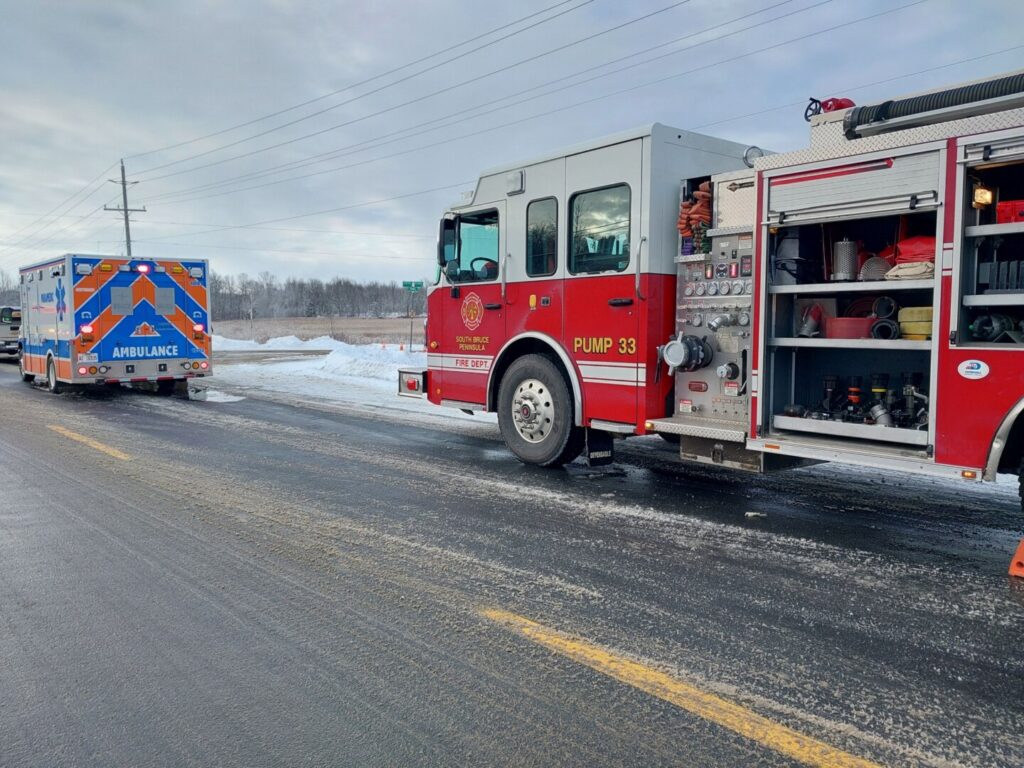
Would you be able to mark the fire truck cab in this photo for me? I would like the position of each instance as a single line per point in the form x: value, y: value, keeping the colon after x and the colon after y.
x: 557, y: 279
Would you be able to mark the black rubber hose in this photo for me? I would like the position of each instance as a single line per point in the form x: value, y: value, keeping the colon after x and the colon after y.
x: 886, y: 330
x: 954, y: 97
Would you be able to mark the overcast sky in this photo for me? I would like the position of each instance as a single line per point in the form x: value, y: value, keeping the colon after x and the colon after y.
x: 85, y: 83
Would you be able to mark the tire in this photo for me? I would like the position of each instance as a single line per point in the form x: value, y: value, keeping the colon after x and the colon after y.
x: 535, y: 413
x: 25, y: 376
x: 52, y: 384
x: 165, y: 388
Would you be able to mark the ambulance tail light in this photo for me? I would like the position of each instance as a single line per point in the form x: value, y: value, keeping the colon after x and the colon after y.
x: 204, y: 365
x: 82, y: 370
x: 86, y: 331
x: 412, y: 384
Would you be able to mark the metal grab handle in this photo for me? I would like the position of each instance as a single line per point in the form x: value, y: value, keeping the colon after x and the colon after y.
x: 625, y: 302
x: 639, y: 266
x: 504, y: 275
x: 492, y: 306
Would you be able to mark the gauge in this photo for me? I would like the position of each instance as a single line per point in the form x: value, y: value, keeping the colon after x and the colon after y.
x: 712, y: 289
x: 748, y: 286
x: 737, y: 287
x: 701, y: 290
x: 688, y: 290
x: 697, y: 320
x: 743, y: 319
x: 726, y: 288
x: 722, y: 270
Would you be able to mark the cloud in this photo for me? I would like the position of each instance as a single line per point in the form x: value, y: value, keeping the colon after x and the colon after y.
x: 83, y: 83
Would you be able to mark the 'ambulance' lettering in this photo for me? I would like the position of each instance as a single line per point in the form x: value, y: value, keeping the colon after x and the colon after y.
x: 161, y: 350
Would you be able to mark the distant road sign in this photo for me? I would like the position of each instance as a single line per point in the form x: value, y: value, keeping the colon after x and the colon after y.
x: 412, y: 285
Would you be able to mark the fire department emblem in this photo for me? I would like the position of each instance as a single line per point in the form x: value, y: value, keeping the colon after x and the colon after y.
x: 472, y: 311
x: 144, y: 329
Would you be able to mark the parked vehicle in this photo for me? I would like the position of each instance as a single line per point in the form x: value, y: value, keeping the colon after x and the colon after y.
x: 10, y: 324
x: 859, y: 301
x: 112, y: 320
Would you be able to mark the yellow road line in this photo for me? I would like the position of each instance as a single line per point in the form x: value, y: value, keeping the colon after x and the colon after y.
x: 701, y: 703
x: 90, y: 442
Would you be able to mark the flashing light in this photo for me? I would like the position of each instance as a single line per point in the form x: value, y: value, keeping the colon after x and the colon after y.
x: 982, y: 196
x: 204, y: 365
x: 87, y: 328
x: 198, y: 327
x: 412, y: 385
x: 143, y: 268
x: 82, y: 370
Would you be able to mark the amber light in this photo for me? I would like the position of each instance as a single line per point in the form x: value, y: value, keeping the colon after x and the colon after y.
x: 969, y: 474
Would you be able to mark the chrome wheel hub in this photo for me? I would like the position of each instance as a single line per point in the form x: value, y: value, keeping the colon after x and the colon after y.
x: 533, y: 411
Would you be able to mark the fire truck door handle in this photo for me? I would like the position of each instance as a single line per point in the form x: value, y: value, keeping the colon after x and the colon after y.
x: 624, y: 302
x: 504, y: 275
x: 640, y: 266
x: 492, y: 306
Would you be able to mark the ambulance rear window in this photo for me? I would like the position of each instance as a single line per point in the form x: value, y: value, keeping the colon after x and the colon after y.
x: 600, y: 230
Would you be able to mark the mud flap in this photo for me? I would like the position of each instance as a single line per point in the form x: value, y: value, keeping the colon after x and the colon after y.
x: 600, y: 448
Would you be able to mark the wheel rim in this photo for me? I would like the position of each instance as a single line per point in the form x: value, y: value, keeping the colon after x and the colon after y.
x: 51, y: 377
x: 533, y: 410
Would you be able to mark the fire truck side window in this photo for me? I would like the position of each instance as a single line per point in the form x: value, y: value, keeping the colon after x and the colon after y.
x: 478, y: 248
x: 542, y: 237
x: 600, y: 230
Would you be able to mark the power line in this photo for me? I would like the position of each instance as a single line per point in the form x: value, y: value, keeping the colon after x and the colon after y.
x: 373, y: 91
x: 55, y: 208
x: 452, y: 118
x: 348, y: 87
x: 199, y: 246
x: 418, y: 99
x: 574, y: 105
x: 329, y: 210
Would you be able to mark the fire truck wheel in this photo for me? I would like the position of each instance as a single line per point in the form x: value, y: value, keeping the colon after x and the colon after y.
x: 51, y: 377
x: 25, y: 376
x: 535, y: 413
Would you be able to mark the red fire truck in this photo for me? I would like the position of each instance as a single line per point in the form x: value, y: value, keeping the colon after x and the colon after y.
x: 859, y: 301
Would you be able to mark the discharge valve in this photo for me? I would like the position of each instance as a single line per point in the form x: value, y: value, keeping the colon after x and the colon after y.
x: 687, y: 353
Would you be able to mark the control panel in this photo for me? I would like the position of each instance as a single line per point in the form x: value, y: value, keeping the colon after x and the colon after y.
x: 714, y: 320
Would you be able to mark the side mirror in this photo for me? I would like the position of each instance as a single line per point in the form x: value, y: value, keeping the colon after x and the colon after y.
x: 446, y: 239
x: 451, y: 271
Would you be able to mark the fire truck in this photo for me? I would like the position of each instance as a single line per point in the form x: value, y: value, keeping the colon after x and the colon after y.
x: 110, y: 320
x: 857, y: 301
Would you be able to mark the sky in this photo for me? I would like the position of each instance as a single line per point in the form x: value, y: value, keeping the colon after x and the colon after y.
x: 404, y: 104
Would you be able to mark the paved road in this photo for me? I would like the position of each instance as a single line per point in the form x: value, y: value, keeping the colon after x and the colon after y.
x: 260, y: 584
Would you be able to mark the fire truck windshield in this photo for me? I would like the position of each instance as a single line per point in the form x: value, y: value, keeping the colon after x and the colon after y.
x: 478, y: 252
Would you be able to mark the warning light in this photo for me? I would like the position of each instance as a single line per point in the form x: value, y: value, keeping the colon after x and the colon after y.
x: 697, y: 386
x: 195, y: 366
x: 969, y: 474
x: 412, y: 385
x: 93, y: 369
x: 198, y: 327
x: 82, y: 370
x: 143, y: 268
x: 87, y: 329
x: 204, y: 365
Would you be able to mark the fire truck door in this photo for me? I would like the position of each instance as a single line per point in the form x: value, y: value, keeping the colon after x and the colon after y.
x: 602, y: 303
x: 474, y: 308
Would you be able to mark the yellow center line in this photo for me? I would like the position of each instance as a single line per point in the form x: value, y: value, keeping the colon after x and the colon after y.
x: 90, y: 442
x: 694, y: 700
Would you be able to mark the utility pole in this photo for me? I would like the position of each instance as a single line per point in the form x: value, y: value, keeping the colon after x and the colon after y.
x: 125, y: 209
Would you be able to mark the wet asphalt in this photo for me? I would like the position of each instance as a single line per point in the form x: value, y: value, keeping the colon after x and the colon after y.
x: 262, y: 583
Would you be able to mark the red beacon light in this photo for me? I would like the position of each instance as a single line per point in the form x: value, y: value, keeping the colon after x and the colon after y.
x: 143, y: 268
x: 198, y: 327
x: 87, y: 328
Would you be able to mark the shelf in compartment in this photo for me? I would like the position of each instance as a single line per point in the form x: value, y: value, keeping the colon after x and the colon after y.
x: 847, y: 429
x: 822, y: 343
x: 853, y: 287
x: 995, y: 299
x: 987, y: 230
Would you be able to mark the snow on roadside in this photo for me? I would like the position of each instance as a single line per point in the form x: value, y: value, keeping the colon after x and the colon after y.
x: 352, y: 374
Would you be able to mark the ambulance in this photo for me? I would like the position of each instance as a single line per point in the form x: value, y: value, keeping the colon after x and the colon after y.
x: 108, y: 320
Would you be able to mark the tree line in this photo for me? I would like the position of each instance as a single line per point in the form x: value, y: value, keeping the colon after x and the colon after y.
x: 241, y: 297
